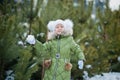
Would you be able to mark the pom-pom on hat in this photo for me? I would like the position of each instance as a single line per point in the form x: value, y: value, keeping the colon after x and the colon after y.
x: 50, y: 26
x: 69, y: 23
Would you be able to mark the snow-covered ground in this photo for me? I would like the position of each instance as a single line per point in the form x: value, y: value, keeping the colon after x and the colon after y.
x: 106, y: 76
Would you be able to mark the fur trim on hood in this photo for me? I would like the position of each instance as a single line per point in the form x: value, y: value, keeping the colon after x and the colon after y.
x: 68, y: 28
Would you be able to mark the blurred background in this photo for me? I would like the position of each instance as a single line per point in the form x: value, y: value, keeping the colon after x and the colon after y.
x: 96, y: 30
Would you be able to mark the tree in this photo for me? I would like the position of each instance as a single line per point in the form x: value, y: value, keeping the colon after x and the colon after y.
x: 98, y: 37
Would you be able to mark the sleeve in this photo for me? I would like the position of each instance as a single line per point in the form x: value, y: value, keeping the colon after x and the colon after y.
x: 77, y: 51
x: 42, y: 50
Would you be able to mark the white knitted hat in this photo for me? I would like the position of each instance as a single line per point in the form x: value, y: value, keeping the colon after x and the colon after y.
x: 68, y: 24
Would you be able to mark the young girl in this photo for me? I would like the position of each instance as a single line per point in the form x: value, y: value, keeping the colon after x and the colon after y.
x: 58, y: 50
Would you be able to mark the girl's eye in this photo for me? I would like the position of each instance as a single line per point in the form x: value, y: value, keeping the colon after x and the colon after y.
x: 61, y: 26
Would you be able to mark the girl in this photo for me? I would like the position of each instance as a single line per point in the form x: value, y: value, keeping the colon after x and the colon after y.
x: 58, y: 50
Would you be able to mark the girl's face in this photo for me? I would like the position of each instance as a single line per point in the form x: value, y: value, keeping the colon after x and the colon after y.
x: 59, y: 29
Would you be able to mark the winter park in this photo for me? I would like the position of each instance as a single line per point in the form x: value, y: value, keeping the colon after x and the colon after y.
x: 59, y: 40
